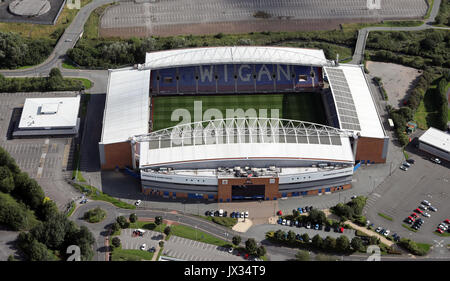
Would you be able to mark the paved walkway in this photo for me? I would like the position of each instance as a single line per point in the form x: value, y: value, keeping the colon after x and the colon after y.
x: 370, y: 233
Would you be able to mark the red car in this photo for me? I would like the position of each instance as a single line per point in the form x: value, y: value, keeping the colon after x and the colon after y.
x: 440, y: 230
x: 246, y: 256
x: 279, y: 213
x: 419, y: 210
x: 447, y: 221
x: 411, y: 218
x: 414, y: 215
x: 341, y: 230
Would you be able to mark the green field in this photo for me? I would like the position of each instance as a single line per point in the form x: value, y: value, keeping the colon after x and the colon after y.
x: 296, y: 106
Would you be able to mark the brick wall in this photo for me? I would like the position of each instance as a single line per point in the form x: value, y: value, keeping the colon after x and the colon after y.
x: 117, y: 154
x: 370, y: 149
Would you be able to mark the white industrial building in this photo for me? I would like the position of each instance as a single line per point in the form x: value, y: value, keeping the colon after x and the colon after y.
x: 436, y: 142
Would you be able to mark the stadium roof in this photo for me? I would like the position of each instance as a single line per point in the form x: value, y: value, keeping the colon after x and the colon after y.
x: 50, y: 113
x: 436, y: 138
x: 353, y: 99
x: 127, y: 105
x: 235, y: 55
x: 244, y: 138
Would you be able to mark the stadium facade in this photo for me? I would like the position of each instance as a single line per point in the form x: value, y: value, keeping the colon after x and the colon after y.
x: 241, y: 157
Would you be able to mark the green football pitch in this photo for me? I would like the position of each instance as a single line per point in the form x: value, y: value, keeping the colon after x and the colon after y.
x: 296, y: 106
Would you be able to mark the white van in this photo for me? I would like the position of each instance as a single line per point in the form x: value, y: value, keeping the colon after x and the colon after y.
x: 220, y: 213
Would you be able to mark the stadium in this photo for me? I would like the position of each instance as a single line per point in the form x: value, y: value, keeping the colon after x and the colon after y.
x: 241, y: 123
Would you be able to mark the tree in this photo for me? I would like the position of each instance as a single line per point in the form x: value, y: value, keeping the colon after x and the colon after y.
x: 39, y: 252
x: 373, y: 240
x: 158, y: 220
x: 28, y: 191
x: 53, y: 232
x: 357, y: 244
x: 302, y: 255
x: 6, y: 180
x: 261, y: 251
x: 280, y: 234
x: 291, y: 236
x: 133, y: 218
x: 251, y: 246
x: 47, y: 210
x: 161, y: 244
x: 167, y: 230
x: 329, y: 243
x: 236, y: 240
x: 115, y: 242
x: 317, y: 241
x: 115, y: 227
x: 295, y: 213
x: 305, y: 237
x: 317, y: 216
x: 122, y: 221
x: 342, y: 243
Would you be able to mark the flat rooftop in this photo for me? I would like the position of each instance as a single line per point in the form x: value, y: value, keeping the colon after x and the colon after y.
x: 49, y: 113
x: 437, y: 138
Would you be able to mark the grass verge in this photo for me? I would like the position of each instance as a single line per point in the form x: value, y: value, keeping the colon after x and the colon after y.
x: 385, y: 216
x: 228, y: 222
x: 409, y: 228
x: 119, y: 254
x: 197, y: 235
x: 95, y: 194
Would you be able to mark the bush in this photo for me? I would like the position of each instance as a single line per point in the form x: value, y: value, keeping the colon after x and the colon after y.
x: 167, y: 230
x: 95, y: 215
x: 122, y: 221
x: 133, y: 218
x: 412, y: 247
x: 302, y: 255
x: 115, y: 242
x: 236, y: 240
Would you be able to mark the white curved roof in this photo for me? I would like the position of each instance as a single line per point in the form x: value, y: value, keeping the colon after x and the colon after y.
x: 235, y: 55
x: 244, y: 138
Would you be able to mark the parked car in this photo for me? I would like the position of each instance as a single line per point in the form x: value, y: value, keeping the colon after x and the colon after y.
x: 279, y: 213
x: 316, y: 227
x: 411, y: 161
x: 230, y: 250
x: 242, y: 214
x: 138, y: 202
x: 211, y: 213
x: 341, y: 230
x: 143, y: 247
x: 386, y: 233
x: 436, y: 160
x: 152, y: 249
x: 403, y: 168
x: 308, y: 225
x: 284, y: 222
x: 447, y: 221
x: 84, y: 201
x: 419, y: 210
x: 246, y: 214
x: 327, y: 228
x: 280, y: 221
x: 353, y: 197
x: 422, y: 207
x: 406, y: 164
x: 426, y: 215
x: 225, y: 214
x: 426, y: 203
x: 288, y: 222
x: 414, y: 215
x: 207, y: 213
x: 296, y: 223
x: 439, y: 230
x: 432, y: 209
x: 378, y: 230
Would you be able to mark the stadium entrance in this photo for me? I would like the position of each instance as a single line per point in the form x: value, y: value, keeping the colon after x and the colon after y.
x: 255, y: 188
x: 248, y: 192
